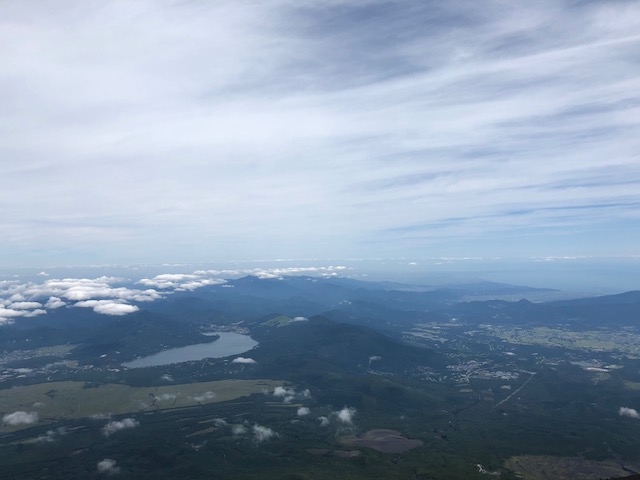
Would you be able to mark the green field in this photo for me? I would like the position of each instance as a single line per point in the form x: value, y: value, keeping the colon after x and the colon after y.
x: 57, y: 401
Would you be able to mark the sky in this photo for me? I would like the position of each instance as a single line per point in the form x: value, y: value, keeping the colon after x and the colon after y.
x: 189, y: 131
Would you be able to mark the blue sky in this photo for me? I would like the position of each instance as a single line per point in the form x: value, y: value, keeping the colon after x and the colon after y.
x: 183, y: 131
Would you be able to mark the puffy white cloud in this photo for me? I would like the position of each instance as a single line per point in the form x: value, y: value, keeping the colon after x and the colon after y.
x: 105, y: 296
x: 324, y: 421
x: 261, y: 434
x: 243, y: 360
x: 54, y: 302
x: 628, y: 412
x: 181, y: 282
x: 98, y: 293
x: 117, y: 425
x: 238, y: 429
x: 303, y: 411
x: 25, y: 305
x: 10, y: 313
x: 108, y: 466
x: 115, y: 308
x: 20, y: 418
x: 108, y: 307
x: 283, y: 392
x: 346, y: 415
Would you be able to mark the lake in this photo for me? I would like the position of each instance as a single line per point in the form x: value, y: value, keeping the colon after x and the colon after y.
x: 228, y: 344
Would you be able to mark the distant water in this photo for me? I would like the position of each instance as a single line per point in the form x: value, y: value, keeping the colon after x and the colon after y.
x: 228, y: 344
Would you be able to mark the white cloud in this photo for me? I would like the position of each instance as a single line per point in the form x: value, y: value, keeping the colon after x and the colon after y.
x: 261, y: 434
x: 303, y: 411
x: 25, y: 305
x: 166, y: 397
x: 346, y: 415
x: 10, y: 313
x: 104, y: 296
x: 98, y: 293
x: 374, y: 358
x: 117, y: 425
x: 206, y: 396
x: 101, y: 416
x: 243, y: 360
x: 324, y: 421
x: 20, y: 418
x: 22, y: 371
x: 220, y: 422
x: 113, y: 308
x: 108, y: 307
x: 181, y: 282
x: 238, y: 429
x: 54, y: 302
x: 283, y: 392
x: 108, y: 466
x: 51, y: 435
x: 167, y: 378
x: 628, y: 412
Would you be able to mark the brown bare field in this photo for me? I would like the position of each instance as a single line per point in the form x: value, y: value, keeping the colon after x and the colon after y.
x: 546, y: 467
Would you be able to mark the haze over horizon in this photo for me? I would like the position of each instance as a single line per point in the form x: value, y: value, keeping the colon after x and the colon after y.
x: 185, y: 132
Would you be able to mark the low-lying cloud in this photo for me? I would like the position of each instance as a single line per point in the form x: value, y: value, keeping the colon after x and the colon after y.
x: 51, y: 435
x: 115, y: 426
x: 108, y: 307
x: 303, y: 411
x: 628, y: 412
x: 238, y: 429
x: 20, y: 418
x: 205, y: 397
x: 108, y: 466
x: 243, y: 360
x: 346, y: 415
x: 283, y: 392
x: 262, y: 434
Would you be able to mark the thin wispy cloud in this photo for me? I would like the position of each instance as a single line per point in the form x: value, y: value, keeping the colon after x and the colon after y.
x: 231, y: 129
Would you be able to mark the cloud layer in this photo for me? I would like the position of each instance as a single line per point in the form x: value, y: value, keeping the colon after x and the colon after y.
x: 279, y: 129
